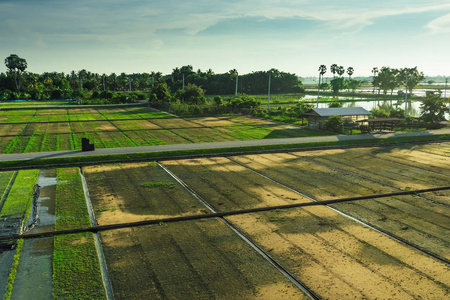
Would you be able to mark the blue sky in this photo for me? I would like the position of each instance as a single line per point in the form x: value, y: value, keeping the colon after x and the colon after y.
x: 295, y: 36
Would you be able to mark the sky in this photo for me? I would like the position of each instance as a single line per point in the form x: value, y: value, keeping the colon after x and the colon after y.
x: 295, y: 36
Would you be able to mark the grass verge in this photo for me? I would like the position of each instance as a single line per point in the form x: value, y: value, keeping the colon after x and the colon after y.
x: 18, y: 204
x: 76, y: 272
x: 158, y: 155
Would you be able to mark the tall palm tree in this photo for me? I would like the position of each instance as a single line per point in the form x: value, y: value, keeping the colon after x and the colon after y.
x: 375, y: 73
x: 341, y: 70
x: 350, y: 72
x: 333, y: 69
x: 322, y: 70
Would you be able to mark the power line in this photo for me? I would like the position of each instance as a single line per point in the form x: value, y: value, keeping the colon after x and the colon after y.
x: 95, y: 229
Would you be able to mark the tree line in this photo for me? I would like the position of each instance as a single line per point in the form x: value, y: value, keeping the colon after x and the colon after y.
x: 17, y: 83
x: 387, y: 79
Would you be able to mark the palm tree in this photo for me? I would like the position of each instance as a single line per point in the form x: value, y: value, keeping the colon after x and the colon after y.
x: 16, y: 65
x: 350, y: 72
x: 341, y: 70
x: 322, y: 70
x: 333, y: 69
x: 375, y: 73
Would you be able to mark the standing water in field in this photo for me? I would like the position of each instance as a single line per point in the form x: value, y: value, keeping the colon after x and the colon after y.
x: 34, y: 276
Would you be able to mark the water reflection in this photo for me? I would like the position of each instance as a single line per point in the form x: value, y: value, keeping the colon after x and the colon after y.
x: 413, y: 106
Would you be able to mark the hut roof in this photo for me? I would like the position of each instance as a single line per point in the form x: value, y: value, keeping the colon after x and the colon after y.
x: 337, y: 111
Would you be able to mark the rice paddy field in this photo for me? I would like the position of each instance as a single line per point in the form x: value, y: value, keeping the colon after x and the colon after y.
x: 386, y: 248
x: 58, y: 129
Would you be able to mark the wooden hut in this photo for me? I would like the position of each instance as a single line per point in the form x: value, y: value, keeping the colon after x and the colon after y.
x: 317, y: 116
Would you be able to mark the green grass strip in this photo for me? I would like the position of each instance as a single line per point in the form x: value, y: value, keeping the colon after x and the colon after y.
x: 12, y: 274
x: 19, y: 199
x: 19, y: 205
x: 76, y: 271
x: 36, y: 163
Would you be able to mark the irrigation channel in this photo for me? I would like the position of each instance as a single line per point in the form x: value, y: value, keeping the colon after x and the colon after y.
x: 371, y: 226
x: 297, y: 283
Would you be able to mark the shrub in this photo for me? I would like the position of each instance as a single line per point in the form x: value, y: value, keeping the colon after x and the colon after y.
x: 396, y: 113
x: 334, y: 123
x: 244, y: 101
x: 218, y: 101
x: 379, y: 113
x: 335, y: 103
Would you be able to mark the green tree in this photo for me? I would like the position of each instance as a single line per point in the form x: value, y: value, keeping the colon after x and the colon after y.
x: 16, y: 66
x: 334, y: 124
x: 386, y: 79
x: 353, y: 84
x: 192, y: 94
x: 337, y: 84
x: 410, y: 78
x: 161, y: 90
x: 433, y: 109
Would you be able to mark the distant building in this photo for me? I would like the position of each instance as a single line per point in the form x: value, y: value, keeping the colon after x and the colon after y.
x: 317, y: 116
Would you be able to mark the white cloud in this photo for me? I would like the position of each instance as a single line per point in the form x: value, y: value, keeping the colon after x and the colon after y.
x: 440, y: 25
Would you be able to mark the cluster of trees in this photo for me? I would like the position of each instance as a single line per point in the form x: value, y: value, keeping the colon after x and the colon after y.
x: 387, y: 79
x: 16, y: 83
x: 338, y: 82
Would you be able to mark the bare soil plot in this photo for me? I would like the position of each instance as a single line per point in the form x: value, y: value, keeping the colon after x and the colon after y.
x: 103, y: 126
x: 340, y: 259
x: 413, y: 218
x: 253, y: 121
x: 193, y: 260
x: 133, y: 192
x: 135, y: 125
x: 213, y: 121
x: 170, y: 123
x: 228, y: 186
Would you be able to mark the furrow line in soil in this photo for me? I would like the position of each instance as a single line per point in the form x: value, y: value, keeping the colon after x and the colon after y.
x: 339, y: 170
x: 434, y: 153
x: 401, y: 161
x: 299, y: 284
x: 356, y: 174
x: 367, y: 224
x: 98, y: 245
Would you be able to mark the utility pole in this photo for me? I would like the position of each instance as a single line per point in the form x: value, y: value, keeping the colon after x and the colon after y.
x: 318, y: 92
x: 183, y: 83
x: 268, y: 96
x: 445, y: 89
x: 129, y: 82
x: 104, y: 86
x: 237, y: 78
x: 406, y: 92
x: 81, y: 82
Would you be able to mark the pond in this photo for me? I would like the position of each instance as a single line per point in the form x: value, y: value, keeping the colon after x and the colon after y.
x: 369, y: 104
